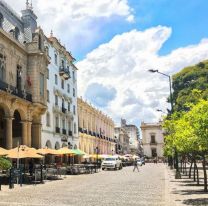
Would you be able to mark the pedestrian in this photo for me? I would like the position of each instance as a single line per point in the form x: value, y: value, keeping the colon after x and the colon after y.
x: 136, y: 166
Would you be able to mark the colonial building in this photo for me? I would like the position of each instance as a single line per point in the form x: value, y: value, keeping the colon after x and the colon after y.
x: 133, y: 133
x: 23, y: 69
x: 152, y: 139
x: 96, y: 130
x: 60, y: 122
x: 122, y: 141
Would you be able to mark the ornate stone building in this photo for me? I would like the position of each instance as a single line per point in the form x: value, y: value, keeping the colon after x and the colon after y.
x: 122, y: 141
x: 60, y: 123
x: 96, y: 130
x: 152, y: 139
x: 23, y: 67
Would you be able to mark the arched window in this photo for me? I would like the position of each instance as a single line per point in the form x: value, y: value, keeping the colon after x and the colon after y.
x: 1, y: 20
x: 2, y: 67
x: 16, y: 33
x: 48, y: 121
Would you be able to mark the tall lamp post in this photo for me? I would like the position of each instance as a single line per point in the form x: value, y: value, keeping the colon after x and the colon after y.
x: 96, y: 158
x: 177, y: 176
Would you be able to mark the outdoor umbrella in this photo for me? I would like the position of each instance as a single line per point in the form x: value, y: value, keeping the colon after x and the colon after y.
x: 3, y: 151
x: 45, y: 151
x: 23, y: 152
x: 78, y: 152
x: 65, y: 150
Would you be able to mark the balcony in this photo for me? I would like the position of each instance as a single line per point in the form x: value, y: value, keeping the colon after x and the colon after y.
x: 64, y: 72
x: 63, y: 131
x: 70, y: 133
x: 153, y: 143
x: 14, y: 91
x: 57, y: 130
x: 63, y: 110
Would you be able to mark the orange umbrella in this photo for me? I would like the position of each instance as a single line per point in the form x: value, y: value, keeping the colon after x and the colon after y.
x: 45, y: 151
x: 23, y: 152
x: 3, y: 151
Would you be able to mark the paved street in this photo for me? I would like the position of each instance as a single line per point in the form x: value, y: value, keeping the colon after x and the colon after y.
x: 104, y: 188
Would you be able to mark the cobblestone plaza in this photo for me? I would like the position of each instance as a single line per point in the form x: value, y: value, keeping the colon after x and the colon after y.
x: 123, y: 187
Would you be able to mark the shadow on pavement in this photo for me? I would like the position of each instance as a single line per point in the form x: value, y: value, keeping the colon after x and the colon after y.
x: 198, y: 202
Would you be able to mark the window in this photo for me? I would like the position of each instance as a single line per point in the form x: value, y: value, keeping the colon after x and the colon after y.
x: 47, y: 73
x: 2, y: 67
x: 19, y: 78
x: 63, y: 105
x: 1, y: 20
x: 41, y: 84
x: 56, y: 79
x: 63, y: 123
x: 62, y: 84
x: 73, y: 76
x: 75, y: 128
x: 56, y: 100
x: 48, y: 96
x: 153, y: 138
x: 16, y: 33
x: 74, y: 109
x: 68, y: 88
x: 62, y: 63
x: 69, y: 107
x: 48, y: 119
x: 57, y: 121
x: 55, y: 59
x: 74, y: 92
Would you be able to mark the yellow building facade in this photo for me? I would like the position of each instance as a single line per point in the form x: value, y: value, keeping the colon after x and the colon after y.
x: 96, y: 130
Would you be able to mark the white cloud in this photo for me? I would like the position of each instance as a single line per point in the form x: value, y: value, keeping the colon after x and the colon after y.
x: 77, y: 21
x: 122, y: 64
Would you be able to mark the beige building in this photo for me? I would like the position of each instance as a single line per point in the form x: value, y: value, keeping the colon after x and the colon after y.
x: 23, y: 69
x: 96, y: 130
x: 152, y: 139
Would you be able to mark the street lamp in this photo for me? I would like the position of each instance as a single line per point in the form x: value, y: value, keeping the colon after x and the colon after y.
x: 159, y: 110
x: 96, y: 149
x: 177, y: 176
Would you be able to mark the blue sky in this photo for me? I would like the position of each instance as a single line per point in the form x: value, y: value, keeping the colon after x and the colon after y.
x: 188, y: 20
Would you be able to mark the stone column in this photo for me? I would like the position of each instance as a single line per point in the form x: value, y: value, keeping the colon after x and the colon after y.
x: 9, y: 132
x: 24, y: 132
x: 29, y: 142
x: 36, y: 135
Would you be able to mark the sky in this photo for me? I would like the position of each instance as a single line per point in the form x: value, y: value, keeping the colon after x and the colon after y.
x: 115, y: 42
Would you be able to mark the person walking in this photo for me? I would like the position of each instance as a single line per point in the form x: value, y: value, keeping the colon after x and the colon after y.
x: 136, y: 166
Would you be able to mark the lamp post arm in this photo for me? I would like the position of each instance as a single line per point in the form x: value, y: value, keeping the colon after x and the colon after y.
x: 163, y: 74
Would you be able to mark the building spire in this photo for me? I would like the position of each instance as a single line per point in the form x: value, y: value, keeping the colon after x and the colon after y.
x: 51, y: 33
x: 27, y: 4
x: 31, y: 6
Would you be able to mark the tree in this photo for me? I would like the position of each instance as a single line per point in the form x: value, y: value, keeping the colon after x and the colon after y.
x: 189, y: 84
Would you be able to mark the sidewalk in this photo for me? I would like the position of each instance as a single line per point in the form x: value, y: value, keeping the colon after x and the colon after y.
x: 184, y: 191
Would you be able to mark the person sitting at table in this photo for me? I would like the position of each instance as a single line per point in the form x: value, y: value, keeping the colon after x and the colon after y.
x: 31, y: 167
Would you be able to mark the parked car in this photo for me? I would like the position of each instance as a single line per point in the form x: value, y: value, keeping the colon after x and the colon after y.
x: 111, y: 163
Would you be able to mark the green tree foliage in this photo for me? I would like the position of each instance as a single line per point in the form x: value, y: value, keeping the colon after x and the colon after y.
x: 189, y: 85
x: 188, y: 133
x: 5, y: 164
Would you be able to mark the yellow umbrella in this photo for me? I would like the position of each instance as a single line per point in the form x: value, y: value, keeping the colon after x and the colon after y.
x: 65, y: 150
x: 3, y: 151
x: 23, y: 152
x: 45, y: 151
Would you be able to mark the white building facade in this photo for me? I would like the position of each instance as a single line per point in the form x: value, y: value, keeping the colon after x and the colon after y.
x: 60, y: 122
x: 152, y: 139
